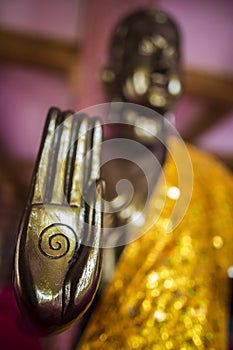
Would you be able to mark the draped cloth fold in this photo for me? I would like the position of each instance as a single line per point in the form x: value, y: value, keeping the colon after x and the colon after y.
x: 171, y: 289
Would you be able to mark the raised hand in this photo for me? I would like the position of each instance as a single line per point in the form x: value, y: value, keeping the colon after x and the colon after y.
x: 58, y: 253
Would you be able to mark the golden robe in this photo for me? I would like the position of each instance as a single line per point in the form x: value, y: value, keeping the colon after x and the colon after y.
x: 171, y: 289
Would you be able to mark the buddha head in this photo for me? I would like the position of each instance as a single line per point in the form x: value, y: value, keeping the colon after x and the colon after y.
x: 144, y: 61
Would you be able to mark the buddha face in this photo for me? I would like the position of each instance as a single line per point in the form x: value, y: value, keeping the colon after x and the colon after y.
x: 144, y: 61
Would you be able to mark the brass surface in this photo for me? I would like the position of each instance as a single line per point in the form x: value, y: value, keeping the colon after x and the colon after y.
x: 58, y: 253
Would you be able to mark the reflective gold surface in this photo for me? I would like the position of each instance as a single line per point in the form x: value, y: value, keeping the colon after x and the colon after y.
x: 171, y: 290
x: 58, y: 254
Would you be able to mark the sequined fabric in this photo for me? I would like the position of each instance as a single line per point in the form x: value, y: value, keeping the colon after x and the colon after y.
x: 171, y: 290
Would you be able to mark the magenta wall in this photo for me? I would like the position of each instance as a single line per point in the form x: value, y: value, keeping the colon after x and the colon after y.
x: 26, y: 94
x: 207, y: 28
x: 53, y: 18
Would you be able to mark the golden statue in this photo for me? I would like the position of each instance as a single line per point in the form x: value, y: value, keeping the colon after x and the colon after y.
x: 170, y: 289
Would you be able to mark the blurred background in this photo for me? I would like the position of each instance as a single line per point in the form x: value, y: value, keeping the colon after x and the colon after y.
x: 51, y: 52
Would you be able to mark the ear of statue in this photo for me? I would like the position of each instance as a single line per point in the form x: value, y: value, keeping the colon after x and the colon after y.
x: 107, y: 74
x: 111, y: 82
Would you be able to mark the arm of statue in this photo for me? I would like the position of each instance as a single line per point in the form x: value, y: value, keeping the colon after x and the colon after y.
x: 58, y: 253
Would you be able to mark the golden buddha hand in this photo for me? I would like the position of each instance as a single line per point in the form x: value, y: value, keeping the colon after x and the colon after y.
x: 58, y: 254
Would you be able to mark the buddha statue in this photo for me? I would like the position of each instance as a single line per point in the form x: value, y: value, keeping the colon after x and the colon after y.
x: 170, y: 289
x: 168, y: 285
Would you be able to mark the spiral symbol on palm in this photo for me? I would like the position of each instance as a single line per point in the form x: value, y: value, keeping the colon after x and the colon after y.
x: 55, y: 240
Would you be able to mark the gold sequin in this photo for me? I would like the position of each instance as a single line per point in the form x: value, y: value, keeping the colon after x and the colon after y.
x: 103, y: 337
x: 159, y: 315
x: 146, y: 305
x: 217, y: 242
x: 152, y: 280
x: 173, y: 192
x: 169, y: 345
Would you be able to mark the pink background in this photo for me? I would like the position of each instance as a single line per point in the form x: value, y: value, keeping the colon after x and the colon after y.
x: 27, y: 93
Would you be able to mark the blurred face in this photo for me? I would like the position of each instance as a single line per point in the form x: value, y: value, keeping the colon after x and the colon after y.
x: 145, y: 62
x: 151, y: 75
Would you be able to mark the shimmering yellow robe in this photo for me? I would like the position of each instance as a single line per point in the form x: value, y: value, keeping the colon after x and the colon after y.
x: 171, y: 290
